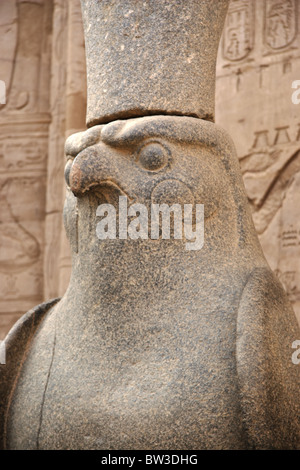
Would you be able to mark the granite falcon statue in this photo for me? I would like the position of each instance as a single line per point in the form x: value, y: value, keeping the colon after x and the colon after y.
x: 154, y: 346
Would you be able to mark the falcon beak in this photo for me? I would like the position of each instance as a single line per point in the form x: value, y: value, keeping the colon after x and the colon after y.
x: 98, y: 168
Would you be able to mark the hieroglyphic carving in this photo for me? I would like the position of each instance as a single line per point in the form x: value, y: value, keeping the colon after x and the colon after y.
x: 8, y: 41
x: 238, y: 35
x: 23, y: 152
x: 25, y: 28
x: 280, y: 23
x: 289, y: 240
x: 268, y: 171
x: 254, y: 105
x: 31, y: 153
x: 25, y: 52
x: 23, y: 159
x: 21, y: 239
x: 16, y: 242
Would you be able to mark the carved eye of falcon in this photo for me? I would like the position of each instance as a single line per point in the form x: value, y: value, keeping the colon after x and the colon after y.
x: 153, y: 156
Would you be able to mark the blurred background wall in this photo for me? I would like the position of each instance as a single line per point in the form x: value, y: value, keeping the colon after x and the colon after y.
x: 43, y: 66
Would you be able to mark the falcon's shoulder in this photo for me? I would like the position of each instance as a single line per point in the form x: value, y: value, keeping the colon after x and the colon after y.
x: 15, y: 348
x: 269, y: 381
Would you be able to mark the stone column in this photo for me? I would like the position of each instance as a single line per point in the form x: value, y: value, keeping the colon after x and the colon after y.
x: 25, y: 53
x: 68, y: 103
x: 75, y: 112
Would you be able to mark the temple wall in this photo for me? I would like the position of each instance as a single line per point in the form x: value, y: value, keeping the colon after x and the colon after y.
x: 43, y: 67
x: 25, y: 58
x: 259, y: 59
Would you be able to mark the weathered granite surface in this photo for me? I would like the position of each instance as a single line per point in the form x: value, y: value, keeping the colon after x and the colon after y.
x: 154, y: 346
x: 151, y: 57
x: 258, y: 60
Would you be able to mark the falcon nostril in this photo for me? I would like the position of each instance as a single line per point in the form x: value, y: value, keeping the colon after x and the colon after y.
x: 68, y: 170
x: 78, y: 179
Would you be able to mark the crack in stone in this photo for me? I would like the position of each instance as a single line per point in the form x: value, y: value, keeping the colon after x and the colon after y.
x: 46, y: 387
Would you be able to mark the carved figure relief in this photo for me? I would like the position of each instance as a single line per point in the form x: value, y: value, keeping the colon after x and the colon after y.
x: 280, y: 23
x: 25, y: 46
x: 8, y: 41
x: 24, y: 27
x: 16, y: 242
x: 268, y: 172
x: 238, y: 34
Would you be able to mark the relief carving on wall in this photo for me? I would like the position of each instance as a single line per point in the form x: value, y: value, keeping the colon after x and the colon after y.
x: 8, y: 42
x: 271, y: 173
x: 267, y: 171
x: 254, y: 105
x: 25, y: 47
x: 238, y: 34
x: 280, y: 23
x: 23, y: 41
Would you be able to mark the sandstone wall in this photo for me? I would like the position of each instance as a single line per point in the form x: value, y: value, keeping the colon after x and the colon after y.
x: 259, y: 58
x: 25, y: 52
x: 42, y: 64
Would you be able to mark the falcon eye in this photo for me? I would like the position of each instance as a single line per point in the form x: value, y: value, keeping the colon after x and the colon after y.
x: 153, y: 156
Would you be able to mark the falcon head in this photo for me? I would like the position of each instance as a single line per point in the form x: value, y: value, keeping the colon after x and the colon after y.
x: 157, y: 159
